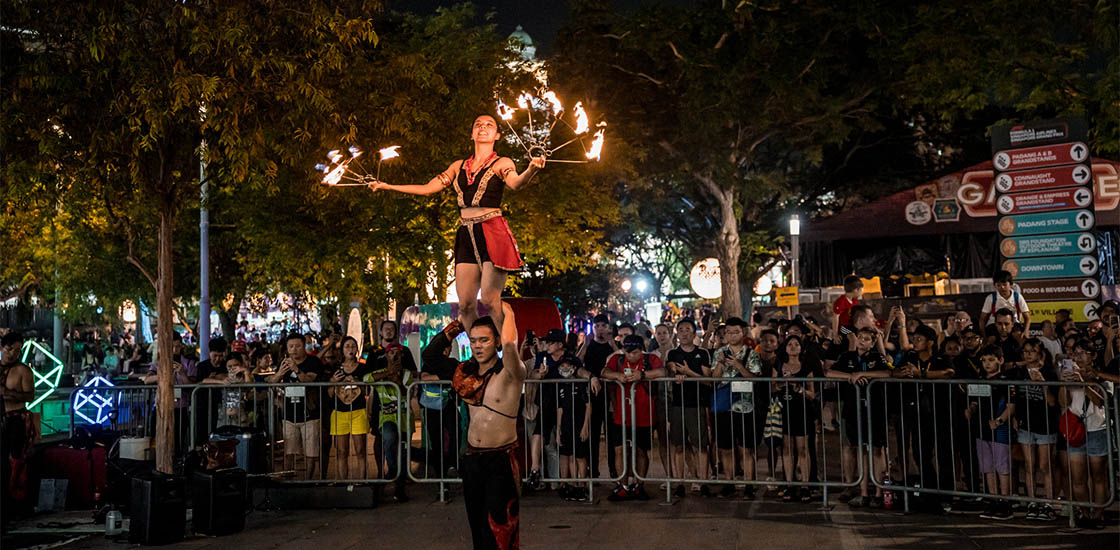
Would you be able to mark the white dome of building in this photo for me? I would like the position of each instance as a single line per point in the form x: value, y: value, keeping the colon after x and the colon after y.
x: 528, y: 50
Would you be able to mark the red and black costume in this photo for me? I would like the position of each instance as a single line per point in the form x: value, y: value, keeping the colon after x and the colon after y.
x: 491, y: 477
x: 485, y: 238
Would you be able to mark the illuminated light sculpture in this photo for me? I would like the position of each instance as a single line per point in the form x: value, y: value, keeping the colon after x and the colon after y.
x: 537, y: 143
x: 93, y: 405
x: 48, y: 381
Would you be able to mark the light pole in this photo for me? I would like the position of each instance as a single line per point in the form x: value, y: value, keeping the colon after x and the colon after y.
x: 795, y: 246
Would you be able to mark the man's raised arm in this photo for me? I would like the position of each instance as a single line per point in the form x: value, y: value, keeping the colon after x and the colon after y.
x: 510, y: 355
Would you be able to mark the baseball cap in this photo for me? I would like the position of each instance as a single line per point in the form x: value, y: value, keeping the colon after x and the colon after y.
x: 554, y: 335
x: 602, y: 318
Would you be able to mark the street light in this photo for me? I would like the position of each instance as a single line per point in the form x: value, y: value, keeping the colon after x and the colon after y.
x: 795, y: 245
x: 627, y: 285
x: 642, y: 285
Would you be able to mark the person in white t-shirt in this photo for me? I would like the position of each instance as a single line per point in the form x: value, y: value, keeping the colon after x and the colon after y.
x: 1005, y: 297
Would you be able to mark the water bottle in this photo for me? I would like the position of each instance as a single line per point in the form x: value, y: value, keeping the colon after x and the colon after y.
x: 113, y: 523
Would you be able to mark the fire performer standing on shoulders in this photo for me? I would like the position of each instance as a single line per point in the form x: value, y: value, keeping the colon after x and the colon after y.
x: 492, y: 387
x: 485, y: 250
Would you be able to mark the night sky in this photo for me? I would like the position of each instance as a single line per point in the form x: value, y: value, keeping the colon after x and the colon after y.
x: 540, y: 18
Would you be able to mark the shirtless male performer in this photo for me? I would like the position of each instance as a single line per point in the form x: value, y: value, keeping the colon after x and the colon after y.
x: 17, y: 387
x: 492, y: 388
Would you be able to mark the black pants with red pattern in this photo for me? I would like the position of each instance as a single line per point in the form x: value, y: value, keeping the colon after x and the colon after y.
x: 492, y: 494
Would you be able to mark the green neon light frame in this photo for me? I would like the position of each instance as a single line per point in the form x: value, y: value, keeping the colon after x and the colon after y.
x: 49, y: 380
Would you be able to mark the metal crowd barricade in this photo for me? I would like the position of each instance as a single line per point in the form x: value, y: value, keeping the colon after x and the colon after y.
x: 293, y: 432
x: 935, y: 425
x: 130, y: 411
x: 442, y: 435
x: 553, y: 415
x: 740, y: 432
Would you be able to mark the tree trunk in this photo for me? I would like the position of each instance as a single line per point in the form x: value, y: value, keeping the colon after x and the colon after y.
x: 165, y: 399
x: 729, y: 249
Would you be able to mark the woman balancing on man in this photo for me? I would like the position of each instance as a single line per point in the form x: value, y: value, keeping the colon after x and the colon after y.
x: 484, y: 247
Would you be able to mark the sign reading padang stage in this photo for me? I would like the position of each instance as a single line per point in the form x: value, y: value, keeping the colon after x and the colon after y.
x: 1046, y: 210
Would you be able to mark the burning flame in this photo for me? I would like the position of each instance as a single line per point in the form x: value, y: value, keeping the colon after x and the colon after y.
x: 335, y: 176
x: 335, y: 156
x: 581, y: 119
x: 504, y: 111
x: 389, y: 152
x: 597, y: 145
x: 524, y: 100
x: 355, y: 152
x: 555, y: 101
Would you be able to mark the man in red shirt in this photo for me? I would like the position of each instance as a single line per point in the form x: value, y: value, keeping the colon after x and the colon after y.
x: 842, y: 307
x: 633, y: 368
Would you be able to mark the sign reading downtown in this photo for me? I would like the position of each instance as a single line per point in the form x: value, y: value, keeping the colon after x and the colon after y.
x: 1045, y: 206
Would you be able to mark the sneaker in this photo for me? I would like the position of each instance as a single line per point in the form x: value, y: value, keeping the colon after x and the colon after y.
x: 876, y: 502
x: 727, y: 492
x: 639, y: 492
x: 989, y: 511
x: 1032, y: 512
x: 1002, y: 512
x: 705, y: 491
x: 1045, y: 513
x: 535, y: 480
x: 564, y: 492
x: 695, y: 488
x: 399, y: 494
x: 860, y: 502
x: 788, y: 494
x: 679, y: 491
x: 847, y: 495
x: 748, y: 492
x: 619, y: 494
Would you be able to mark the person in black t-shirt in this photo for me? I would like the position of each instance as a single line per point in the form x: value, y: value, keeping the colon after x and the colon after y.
x: 301, y: 404
x: 594, y: 354
x: 573, y: 418
x: 688, y: 427
x: 1007, y: 337
x: 857, y: 367
x: 1036, y: 422
x: 926, y: 413
x: 349, y: 421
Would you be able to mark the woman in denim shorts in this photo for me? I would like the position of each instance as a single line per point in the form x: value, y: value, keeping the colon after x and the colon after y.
x: 1088, y: 461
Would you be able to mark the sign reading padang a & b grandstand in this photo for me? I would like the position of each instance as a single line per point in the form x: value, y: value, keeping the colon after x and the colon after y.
x: 1043, y: 181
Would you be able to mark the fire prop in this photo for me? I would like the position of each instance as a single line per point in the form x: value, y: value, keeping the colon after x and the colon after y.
x: 539, y: 138
x: 342, y: 171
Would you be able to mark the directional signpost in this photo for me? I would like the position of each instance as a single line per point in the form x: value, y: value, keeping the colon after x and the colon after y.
x: 1045, y: 201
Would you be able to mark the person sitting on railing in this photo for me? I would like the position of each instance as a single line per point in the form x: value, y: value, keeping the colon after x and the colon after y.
x: 990, y: 410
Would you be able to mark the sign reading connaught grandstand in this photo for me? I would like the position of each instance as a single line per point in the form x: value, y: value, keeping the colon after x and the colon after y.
x: 1046, y: 211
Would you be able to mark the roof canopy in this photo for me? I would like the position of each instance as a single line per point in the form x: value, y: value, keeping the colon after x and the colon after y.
x: 960, y: 202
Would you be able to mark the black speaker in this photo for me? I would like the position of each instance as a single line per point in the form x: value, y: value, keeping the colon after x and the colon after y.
x: 219, y: 501
x: 159, y: 509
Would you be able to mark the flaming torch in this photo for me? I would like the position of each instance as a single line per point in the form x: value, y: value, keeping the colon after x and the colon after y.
x: 347, y: 171
x: 537, y: 146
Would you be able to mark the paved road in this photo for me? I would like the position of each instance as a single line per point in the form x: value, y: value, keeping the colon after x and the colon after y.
x: 549, y: 522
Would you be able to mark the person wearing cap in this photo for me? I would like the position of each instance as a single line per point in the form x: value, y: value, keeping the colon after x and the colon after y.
x: 546, y: 367
x: 633, y: 368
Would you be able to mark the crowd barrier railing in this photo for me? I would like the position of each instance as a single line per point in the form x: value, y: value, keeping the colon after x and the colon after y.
x: 307, y: 433
x: 129, y: 410
x: 745, y: 433
x: 567, y: 422
x: 952, y: 438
